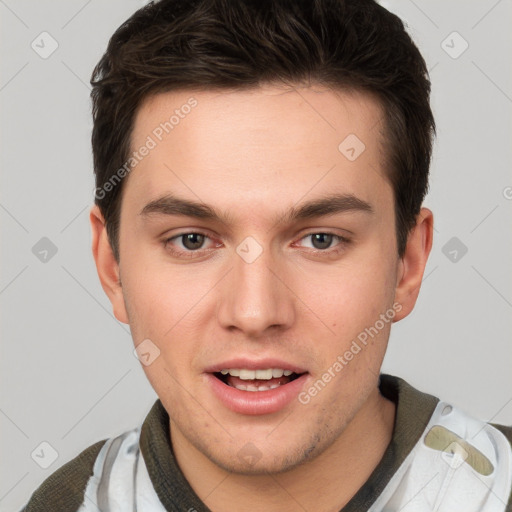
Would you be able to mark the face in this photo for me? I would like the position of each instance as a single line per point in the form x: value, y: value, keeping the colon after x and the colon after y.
x: 258, y: 261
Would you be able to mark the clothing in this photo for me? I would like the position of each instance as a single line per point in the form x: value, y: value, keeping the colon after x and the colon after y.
x: 438, y: 457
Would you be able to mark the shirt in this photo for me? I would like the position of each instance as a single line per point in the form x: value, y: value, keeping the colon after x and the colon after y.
x: 439, y: 459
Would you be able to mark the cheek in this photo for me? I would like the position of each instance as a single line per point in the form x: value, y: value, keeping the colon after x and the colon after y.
x: 157, y: 295
x: 351, y: 297
x: 165, y: 310
x: 167, y: 306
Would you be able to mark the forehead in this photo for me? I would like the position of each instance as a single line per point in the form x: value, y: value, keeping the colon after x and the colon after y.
x: 269, y: 145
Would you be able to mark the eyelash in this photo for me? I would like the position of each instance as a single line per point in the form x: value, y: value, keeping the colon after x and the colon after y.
x: 342, y: 243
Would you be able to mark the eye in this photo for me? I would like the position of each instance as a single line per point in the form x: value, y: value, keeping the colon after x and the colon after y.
x: 321, y: 240
x: 187, y: 244
x: 324, y: 241
x: 192, y: 241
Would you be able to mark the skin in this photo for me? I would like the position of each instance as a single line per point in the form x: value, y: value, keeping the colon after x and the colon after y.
x: 253, y: 155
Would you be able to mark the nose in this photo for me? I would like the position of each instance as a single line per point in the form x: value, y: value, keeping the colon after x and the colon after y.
x: 254, y: 297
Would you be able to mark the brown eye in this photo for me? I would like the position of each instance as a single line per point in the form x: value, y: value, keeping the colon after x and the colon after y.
x: 190, y: 245
x: 321, y: 240
x: 192, y: 241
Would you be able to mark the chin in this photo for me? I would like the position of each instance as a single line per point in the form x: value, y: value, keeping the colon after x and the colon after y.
x: 264, y: 466
x: 249, y: 460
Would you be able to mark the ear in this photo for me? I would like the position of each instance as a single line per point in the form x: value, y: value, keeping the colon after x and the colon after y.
x: 412, y: 264
x: 106, y: 264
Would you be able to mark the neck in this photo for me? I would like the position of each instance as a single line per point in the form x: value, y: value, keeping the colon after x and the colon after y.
x: 324, y: 484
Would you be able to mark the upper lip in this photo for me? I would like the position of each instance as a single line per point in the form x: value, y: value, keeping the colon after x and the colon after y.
x: 254, y: 364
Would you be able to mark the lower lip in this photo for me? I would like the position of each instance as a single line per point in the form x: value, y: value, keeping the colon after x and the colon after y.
x: 256, y: 402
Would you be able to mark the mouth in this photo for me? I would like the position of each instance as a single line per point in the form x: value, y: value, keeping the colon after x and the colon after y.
x: 260, y: 380
x: 256, y: 388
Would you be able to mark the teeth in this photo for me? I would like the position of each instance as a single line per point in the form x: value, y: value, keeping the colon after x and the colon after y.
x: 245, y: 374
x: 267, y: 374
x: 264, y: 374
x: 250, y: 387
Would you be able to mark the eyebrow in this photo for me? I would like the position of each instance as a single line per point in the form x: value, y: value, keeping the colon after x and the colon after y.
x: 330, y: 205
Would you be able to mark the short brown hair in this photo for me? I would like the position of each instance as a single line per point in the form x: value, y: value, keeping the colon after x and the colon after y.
x: 237, y: 44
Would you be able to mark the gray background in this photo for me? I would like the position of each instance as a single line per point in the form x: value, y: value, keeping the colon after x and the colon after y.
x: 68, y: 374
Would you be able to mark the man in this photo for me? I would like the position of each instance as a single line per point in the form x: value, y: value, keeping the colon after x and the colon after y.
x: 260, y: 171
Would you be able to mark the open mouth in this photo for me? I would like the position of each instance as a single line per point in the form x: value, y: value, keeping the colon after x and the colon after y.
x: 256, y: 380
x: 256, y: 388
